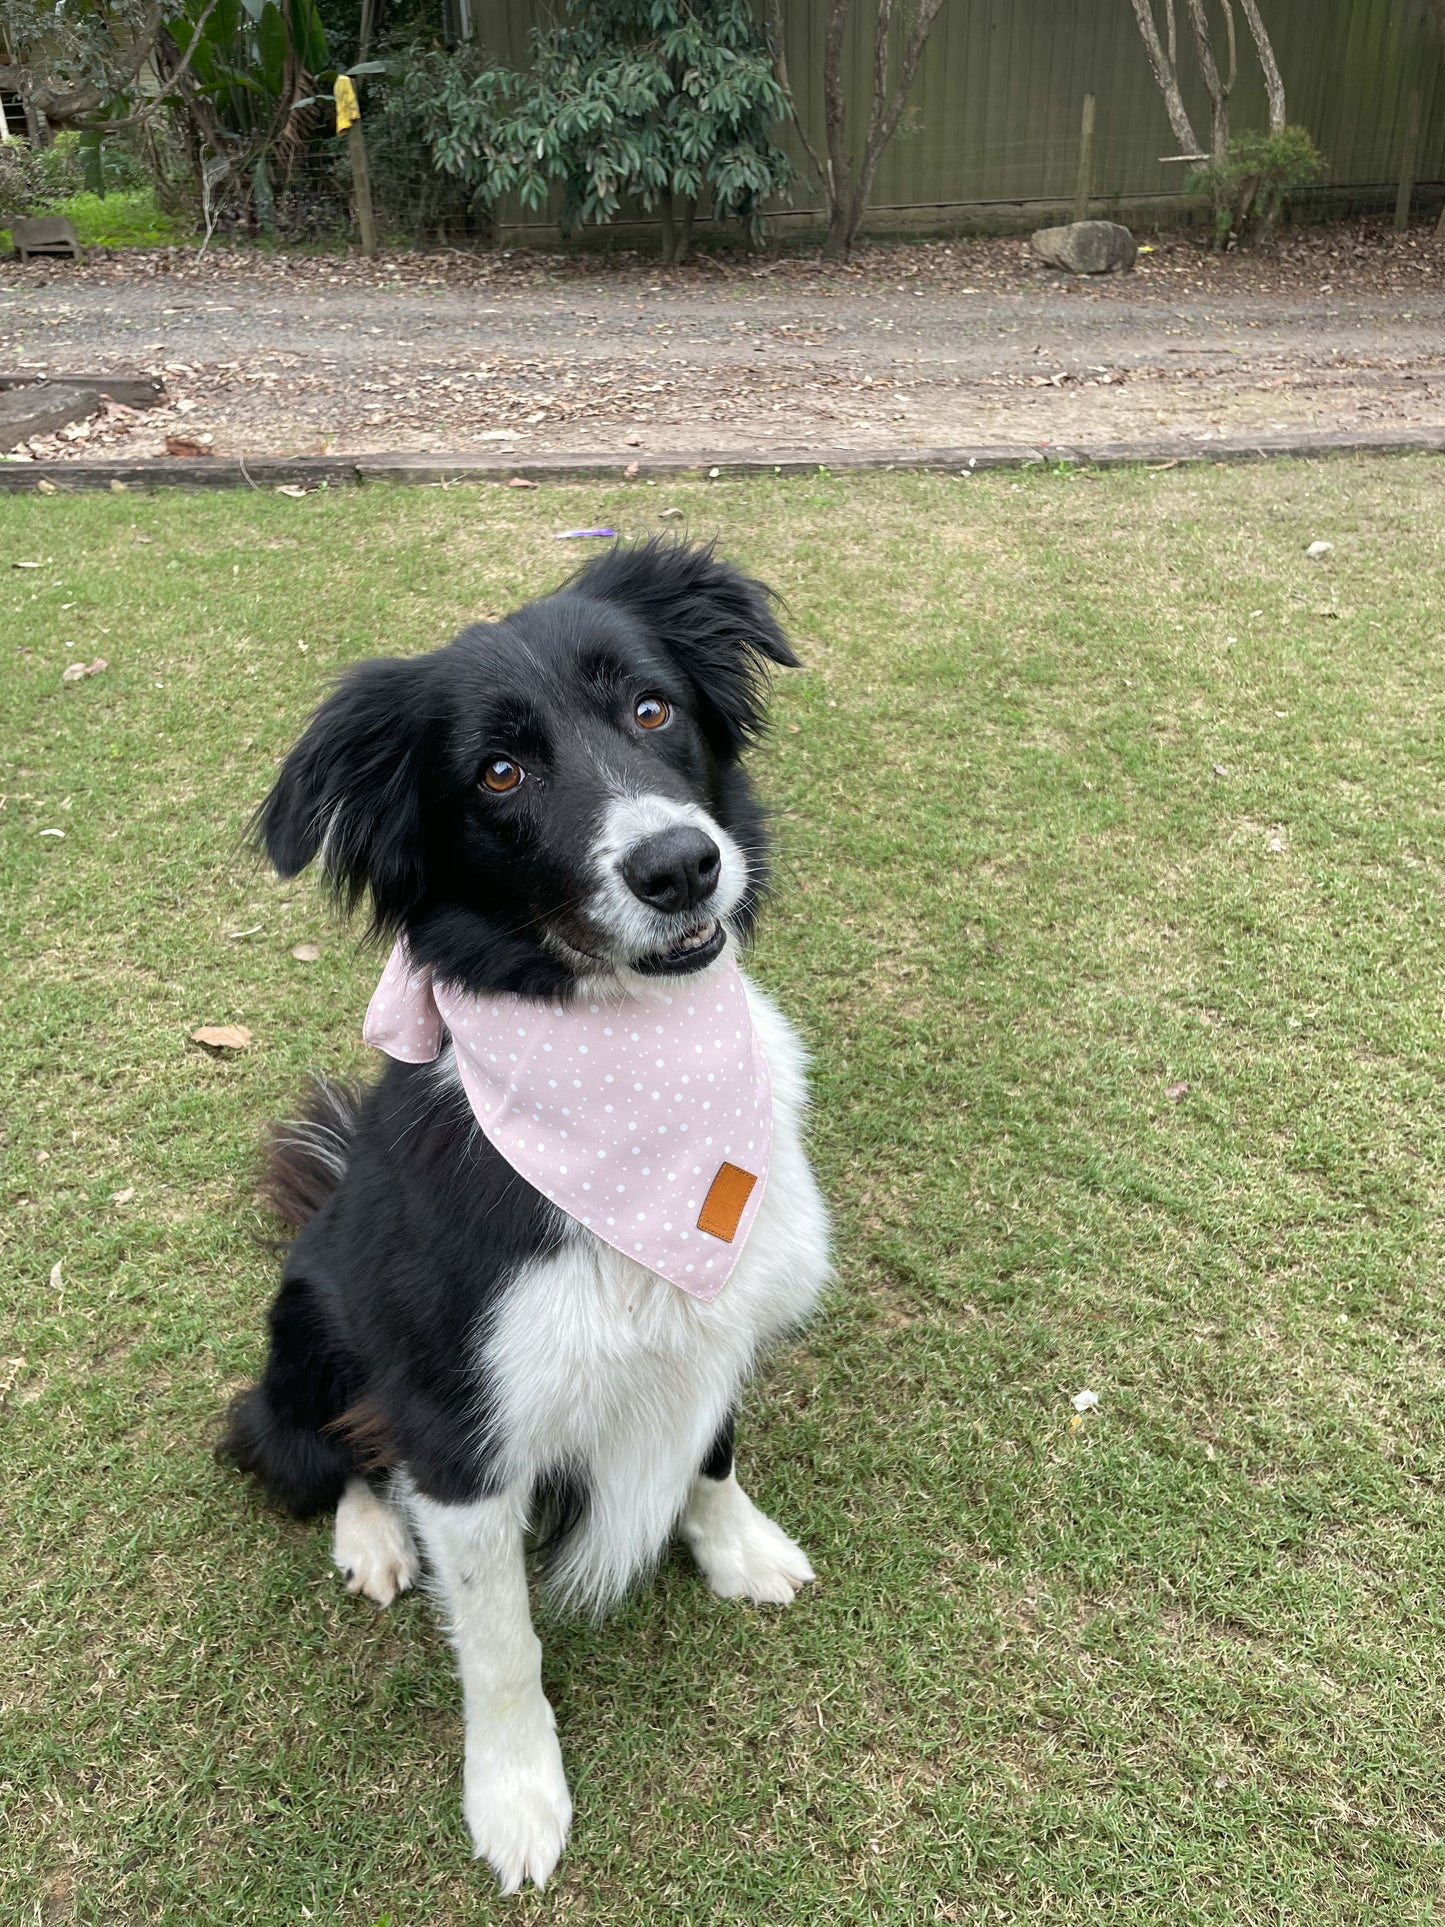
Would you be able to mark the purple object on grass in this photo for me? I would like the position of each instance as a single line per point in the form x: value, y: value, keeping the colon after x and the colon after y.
x: 571, y: 535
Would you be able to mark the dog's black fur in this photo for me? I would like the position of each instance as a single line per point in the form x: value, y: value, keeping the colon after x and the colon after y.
x: 408, y: 1224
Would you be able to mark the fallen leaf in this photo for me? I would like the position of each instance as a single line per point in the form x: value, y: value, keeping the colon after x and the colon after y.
x: 219, y: 1037
x: 233, y: 936
x: 629, y: 474
x: 1220, y: 770
x: 1317, y: 549
x: 520, y: 481
x: 59, y: 833
x: 123, y: 1197
x: 1085, y: 1401
x: 296, y: 493
x: 57, y: 1283
x: 118, y: 487
x: 73, y: 671
x: 27, y: 565
x: 306, y: 952
x: 189, y: 445
x: 42, y: 487
x: 670, y: 515
x: 1176, y: 1091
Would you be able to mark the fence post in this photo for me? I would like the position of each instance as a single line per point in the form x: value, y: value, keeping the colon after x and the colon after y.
x: 361, y: 187
x: 1086, y: 160
x: 1407, y: 161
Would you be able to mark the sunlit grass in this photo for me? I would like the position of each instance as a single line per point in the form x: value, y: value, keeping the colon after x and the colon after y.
x: 1109, y: 901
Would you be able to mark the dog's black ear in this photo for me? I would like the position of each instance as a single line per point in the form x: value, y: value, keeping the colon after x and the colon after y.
x: 352, y: 790
x: 716, y: 623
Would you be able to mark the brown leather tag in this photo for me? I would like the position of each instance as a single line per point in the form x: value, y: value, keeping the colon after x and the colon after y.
x: 727, y: 1197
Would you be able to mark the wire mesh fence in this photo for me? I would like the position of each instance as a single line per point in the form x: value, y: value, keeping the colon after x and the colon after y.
x: 304, y: 193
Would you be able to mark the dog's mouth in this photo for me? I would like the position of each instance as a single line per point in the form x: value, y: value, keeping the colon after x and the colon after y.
x: 693, y: 951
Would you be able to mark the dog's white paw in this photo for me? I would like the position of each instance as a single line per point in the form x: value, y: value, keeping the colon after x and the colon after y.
x: 515, y: 1796
x: 372, y: 1546
x: 741, y: 1553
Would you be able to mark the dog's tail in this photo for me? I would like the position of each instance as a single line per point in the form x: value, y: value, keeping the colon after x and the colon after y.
x: 306, y: 1157
x: 288, y: 1430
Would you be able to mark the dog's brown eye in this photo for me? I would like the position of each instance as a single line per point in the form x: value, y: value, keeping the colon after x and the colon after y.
x: 651, y: 712
x: 501, y: 775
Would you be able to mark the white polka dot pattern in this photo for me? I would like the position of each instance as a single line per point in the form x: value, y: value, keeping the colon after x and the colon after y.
x: 620, y: 1112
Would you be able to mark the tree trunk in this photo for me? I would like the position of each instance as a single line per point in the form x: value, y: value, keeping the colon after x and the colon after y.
x: 1166, y: 73
x: 668, y: 225
x: 36, y: 131
x: 684, y: 229
x: 850, y: 187
x: 835, y: 129
x: 1273, y: 81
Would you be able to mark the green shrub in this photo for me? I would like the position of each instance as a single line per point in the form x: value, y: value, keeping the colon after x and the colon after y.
x: 664, y: 103
x: 134, y: 219
x: 1249, y: 187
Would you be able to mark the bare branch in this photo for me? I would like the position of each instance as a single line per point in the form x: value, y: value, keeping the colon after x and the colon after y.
x: 850, y: 185
x: 886, y: 125
x: 1165, y: 72
x: 780, y: 67
x: 880, y: 63
x: 1214, y: 86
x: 1273, y: 80
x: 1228, y: 11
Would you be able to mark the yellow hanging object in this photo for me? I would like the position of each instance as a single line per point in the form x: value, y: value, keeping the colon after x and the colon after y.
x: 347, y: 109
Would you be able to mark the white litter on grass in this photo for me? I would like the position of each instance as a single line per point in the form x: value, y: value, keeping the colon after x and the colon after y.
x: 1085, y: 1401
x: 1317, y: 549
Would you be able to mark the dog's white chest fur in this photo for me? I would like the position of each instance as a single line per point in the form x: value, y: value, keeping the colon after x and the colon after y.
x: 599, y: 1366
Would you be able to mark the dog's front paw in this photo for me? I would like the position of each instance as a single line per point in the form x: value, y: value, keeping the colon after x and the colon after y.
x: 373, y: 1547
x: 741, y: 1553
x: 516, y: 1801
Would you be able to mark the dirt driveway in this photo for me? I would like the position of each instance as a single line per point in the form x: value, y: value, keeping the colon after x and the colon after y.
x: 933, y: 344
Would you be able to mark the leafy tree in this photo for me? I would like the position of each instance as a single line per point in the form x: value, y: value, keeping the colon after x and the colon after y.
x: 662, y: 101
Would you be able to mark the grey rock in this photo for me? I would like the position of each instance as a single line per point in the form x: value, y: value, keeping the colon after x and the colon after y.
x: 45, y: 234
x: 1087, y: 247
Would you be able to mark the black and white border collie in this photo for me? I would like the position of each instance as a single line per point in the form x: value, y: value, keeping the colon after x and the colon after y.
x: 554, y: 806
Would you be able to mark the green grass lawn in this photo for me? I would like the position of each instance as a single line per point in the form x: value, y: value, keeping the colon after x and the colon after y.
x: 1093, y: 789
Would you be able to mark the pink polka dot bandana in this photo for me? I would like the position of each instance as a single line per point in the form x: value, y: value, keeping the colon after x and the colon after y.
x: 649, y: 1119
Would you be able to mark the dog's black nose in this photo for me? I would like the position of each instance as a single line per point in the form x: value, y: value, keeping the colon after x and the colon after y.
x: 674, y: 870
